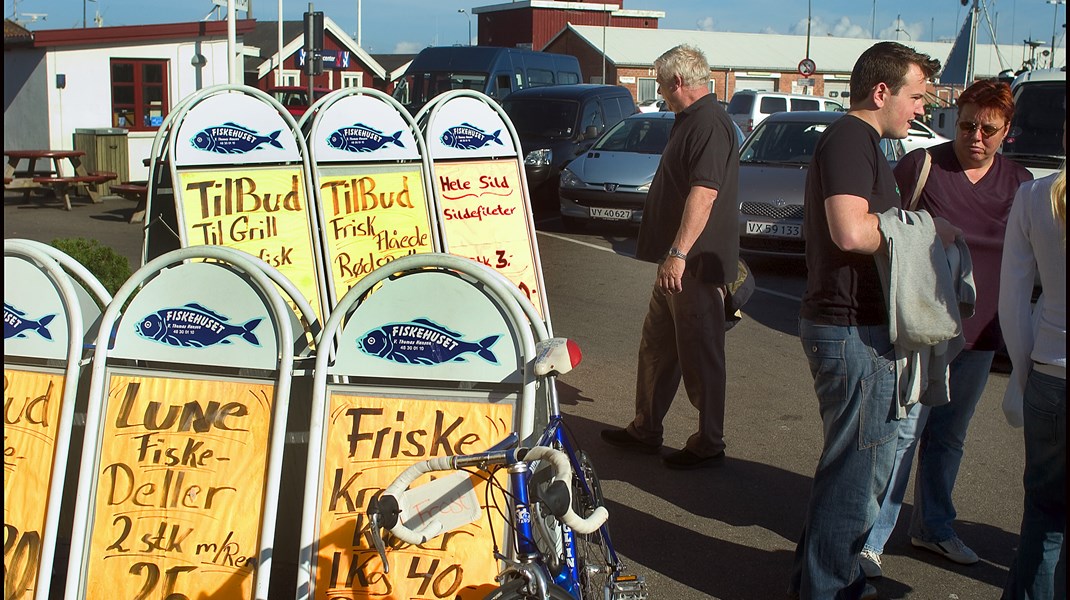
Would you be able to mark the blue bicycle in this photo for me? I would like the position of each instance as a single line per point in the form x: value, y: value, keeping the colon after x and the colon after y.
x: 559, y: 545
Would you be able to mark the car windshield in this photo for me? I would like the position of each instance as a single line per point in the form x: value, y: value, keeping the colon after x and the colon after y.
x: 542, y: 118
x: 419, y: 88
x: 791, y: 142
x: 644, y: 136
x: 1036, y: 129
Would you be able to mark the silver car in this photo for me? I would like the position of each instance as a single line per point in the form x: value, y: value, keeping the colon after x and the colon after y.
x: 610, y: 181
x: 772, y: 180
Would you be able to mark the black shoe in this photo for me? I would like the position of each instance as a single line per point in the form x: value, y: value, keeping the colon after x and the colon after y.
x: 686, y: 459
x: 622, y: 439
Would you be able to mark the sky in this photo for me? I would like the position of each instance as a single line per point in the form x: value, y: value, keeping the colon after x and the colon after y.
x: 406, y: 26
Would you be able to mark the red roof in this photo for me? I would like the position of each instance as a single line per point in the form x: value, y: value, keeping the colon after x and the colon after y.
x: 97, y: 36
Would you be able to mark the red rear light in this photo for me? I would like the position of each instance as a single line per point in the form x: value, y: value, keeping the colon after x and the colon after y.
x: 750, y: 125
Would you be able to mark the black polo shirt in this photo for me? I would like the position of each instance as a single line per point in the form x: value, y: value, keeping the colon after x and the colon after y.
x: 703, y: 151
x: 843, y: 288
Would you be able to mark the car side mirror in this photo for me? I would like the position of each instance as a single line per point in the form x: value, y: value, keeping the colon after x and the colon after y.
x: 592, y: 132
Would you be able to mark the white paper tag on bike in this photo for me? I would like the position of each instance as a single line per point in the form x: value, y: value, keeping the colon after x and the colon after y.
x: 450, y: 500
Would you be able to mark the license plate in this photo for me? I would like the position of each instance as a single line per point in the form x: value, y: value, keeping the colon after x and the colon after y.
x: 611, y: 214
x: 774, y: 228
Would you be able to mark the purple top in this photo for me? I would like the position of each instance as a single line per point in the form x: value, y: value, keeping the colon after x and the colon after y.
x: 981, y: 210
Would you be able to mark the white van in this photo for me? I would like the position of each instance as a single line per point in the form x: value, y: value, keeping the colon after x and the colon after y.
x: 750, y: 107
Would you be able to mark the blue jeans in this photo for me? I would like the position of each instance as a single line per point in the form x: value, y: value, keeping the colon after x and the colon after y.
x: 941, y: 444
x: 943, y: 437
x: 854, y: 378
x: 1032, y: 576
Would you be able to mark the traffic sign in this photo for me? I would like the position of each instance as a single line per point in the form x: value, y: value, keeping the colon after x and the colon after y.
x: 807, y: 67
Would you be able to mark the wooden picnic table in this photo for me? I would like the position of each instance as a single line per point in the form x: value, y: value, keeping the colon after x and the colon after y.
x: 44, y: 169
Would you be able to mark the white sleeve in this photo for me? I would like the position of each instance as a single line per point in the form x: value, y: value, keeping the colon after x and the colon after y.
x: 1017, y: 274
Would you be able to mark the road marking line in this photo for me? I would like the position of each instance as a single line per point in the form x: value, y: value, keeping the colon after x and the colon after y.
x: 588, y: 244
x: 612, y: 251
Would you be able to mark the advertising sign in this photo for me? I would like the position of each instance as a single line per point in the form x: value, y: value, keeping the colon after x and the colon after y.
x: 483, y: 203
x: 372, y: 186
x: 371, y: 216
x: 31, y: 419
x: 180, y: 488
x: 484, y: 217
x: 261, y: 211
x: 369, y: 441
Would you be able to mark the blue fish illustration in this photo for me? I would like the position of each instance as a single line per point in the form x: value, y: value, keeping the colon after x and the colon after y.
x: 16, y: 324
x: 194, y: 326
x: 469, y: 137
x: 361, y: 138
x: 423, y: 342
x: 231, y: 138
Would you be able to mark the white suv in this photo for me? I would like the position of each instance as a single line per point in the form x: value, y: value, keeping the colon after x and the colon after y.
x: 750, y: 107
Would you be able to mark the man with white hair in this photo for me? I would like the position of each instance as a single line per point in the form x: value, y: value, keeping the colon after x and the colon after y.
x: 689, y: 229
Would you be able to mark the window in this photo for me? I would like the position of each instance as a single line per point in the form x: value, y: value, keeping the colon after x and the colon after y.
x: 290, y: 77
x: 772, y: 104
x: 138, y: 93
x: 798, y: 104
x: 537, y: 77
x: 647, y: 90
x: 565, y: 78
x: 352, y: 79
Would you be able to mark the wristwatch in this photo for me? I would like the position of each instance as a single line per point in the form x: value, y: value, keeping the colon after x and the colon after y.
x: 675, y: 253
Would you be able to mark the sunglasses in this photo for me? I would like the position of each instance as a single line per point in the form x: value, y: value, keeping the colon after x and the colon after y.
x: 987, y: 131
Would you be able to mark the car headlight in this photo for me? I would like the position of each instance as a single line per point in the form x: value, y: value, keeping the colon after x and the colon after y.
x: 644, y: 188
x: 570, y: 180
x: 539, y: 158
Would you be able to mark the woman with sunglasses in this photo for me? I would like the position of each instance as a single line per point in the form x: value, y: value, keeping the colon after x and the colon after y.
x: 971, y: 185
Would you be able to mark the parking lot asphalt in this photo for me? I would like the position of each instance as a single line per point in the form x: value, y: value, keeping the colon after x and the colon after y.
x: 727, y: 533
x: 42, y: 218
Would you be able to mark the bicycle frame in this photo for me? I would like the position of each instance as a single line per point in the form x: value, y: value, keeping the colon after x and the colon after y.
x: 569, y: 578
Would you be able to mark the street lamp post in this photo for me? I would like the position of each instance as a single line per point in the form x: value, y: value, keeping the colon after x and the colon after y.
x: 899, y: 28
x: 461, y: 10
x: 1054, y: 24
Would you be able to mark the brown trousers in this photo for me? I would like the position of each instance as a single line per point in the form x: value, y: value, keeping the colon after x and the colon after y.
x: 683, y: 339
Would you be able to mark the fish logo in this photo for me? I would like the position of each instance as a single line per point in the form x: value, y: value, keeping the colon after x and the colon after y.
x: 16, y: 324
x: 469, y: 137
x: 194, y: 326
x: 423, y: 342
x: 231, y: 138
x: 361, y: 138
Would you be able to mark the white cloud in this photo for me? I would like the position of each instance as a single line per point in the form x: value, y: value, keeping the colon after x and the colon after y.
x: 705, y: 24
x: 408, y: 47
x: 819, y: 28
x: 845, y: 28
x: 904, y: 32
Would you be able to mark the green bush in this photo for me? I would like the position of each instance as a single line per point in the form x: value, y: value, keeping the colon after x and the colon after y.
x: 110, y: 268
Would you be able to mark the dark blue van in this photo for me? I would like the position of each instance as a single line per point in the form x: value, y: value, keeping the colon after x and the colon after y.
x: 494, y: 71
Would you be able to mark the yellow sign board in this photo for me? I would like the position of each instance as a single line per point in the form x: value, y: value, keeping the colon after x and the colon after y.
x: 369, y: 442
x: 372, y: 217
x: 31, y: 415
x: 485, y: 218
x: 263, y: 212
x: 180, y: 489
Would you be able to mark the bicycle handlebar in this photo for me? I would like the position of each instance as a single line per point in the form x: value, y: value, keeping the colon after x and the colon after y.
x: 431, y: 528
x: 562, y: 472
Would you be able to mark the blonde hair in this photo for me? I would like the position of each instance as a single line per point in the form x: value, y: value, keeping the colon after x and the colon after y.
x: 1058, y: 199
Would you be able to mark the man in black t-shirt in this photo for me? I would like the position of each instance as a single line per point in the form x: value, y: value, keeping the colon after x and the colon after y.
x: 844, y: 325
x: 689, y: 229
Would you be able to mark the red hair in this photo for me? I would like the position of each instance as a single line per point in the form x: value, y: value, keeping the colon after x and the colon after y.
x: 989, y: 95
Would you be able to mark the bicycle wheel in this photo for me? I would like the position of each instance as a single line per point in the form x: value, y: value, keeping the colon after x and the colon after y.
x: 514, y: 590
x: 592, y: 552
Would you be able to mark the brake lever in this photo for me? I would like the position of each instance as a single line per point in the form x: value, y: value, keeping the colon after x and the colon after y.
x: 376, y: 508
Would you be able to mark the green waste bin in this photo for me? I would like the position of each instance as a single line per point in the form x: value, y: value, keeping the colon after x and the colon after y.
x: 105, y: 149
